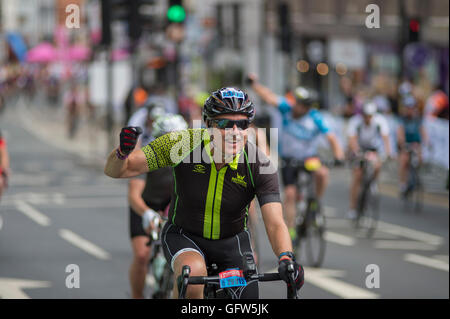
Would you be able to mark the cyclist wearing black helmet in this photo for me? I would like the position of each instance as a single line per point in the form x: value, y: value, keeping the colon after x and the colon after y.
x: 216, y: 173
x: 302, y: 125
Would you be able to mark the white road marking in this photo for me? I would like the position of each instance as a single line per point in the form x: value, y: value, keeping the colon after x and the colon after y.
x: 339, y: 239
x: 442, y: 257
x: 410, y: 233
x: 32, y: 213
x: 322, y: 278
x: 427, y: 261
x: 403, y: 245
x: 338, y: 223
x: 84, y: 244
x: 11, y: 288
x: 377, y: 235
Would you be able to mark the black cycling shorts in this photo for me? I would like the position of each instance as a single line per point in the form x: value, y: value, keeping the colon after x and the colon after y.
x: 135, y: 223
x: 225, y: 253
x: 290, y: 169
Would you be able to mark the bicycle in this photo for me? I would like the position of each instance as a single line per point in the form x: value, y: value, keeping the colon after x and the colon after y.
x: 226, y: 284
x: 368, y: 199
x: 414, y: 187
x: 159, y: 267
x: 310, y: 221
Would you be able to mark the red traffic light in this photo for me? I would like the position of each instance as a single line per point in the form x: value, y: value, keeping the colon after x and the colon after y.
x: 414, y: 25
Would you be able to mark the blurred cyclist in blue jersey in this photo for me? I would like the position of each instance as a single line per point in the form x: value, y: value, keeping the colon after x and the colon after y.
x: 302, y: 126
x: 410, y: 135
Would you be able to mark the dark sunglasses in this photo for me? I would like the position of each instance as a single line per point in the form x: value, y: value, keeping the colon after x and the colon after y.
x: 227, y: 123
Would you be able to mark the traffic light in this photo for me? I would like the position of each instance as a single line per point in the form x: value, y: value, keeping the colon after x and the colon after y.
x: 131, y: 11
x: 176, y: 12
x: 285, y: 27
x: 106, y: 22
x: 414, y: 30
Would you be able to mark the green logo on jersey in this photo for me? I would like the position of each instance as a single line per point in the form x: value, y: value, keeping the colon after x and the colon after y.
x: 199, y: 168
x: 239, y: 179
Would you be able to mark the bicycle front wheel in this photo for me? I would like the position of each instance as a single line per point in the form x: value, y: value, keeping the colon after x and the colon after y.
x: 368, y: 212
x: 314, y: 241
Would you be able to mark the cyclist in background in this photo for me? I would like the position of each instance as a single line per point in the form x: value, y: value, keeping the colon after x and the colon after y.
x: 147, y: 197
x: 302, y: 127
x: 214, y: 182
x: 364, y: 133
x: 4, y: 164
x: 410, y: 134
x: 4, y: 169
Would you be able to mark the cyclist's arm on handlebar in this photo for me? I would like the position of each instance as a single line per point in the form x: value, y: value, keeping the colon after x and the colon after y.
x: 353, y: 144
x: 335, y: 146
x: 276, y: 229
x: 387, y: 146
x: 135, y: 188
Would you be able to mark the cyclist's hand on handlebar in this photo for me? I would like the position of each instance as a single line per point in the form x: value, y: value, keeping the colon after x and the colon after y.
x: 128, y: 139
x: 338, y: 162
x: 150, y: 221
x: 284, y: 272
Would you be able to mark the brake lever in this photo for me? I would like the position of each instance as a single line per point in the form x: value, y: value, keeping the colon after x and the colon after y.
x: 292, y: 293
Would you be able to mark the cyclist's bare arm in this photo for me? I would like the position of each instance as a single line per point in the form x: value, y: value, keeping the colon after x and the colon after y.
x: 134, y: 165
x: 353, y: 144
x: 387, y: 145
x: 335, y: 146
x: 264, y: 92
x: 135, y: 188
x: 276, y: 228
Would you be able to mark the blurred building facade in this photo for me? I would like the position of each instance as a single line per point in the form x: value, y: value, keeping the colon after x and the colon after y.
x: 335, y: 33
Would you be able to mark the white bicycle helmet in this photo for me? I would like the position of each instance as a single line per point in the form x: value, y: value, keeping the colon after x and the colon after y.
x: 168, y: 123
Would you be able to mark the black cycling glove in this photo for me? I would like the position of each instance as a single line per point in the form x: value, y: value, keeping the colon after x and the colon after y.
x: 128, y: 139
x: 298, y: 272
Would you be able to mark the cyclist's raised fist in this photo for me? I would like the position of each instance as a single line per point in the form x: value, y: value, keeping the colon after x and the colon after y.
x: 128, y: 138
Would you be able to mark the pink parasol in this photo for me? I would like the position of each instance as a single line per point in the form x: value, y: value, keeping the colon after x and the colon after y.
x: 78, y: 53
x: 44, y: 52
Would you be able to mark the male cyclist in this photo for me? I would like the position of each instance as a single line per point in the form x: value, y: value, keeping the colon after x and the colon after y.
x: 302, y: 126
x: 216, y: 175
x: 148, y: 195
x: 410, y: 135
x: 365, y: 132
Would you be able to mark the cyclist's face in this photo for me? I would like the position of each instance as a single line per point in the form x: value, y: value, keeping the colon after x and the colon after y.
x: 367, y: 118
x: 299, y: 110
x: 233, y: 139
x: 410, y: 111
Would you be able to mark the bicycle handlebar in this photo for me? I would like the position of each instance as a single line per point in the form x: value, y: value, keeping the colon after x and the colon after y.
x: 203, y: 280
x: 215, y: 280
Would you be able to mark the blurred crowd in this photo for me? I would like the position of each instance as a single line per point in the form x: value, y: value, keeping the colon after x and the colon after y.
x: 389, y: 95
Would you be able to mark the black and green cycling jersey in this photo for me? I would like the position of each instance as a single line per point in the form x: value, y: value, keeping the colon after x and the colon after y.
x: 205, y: 201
